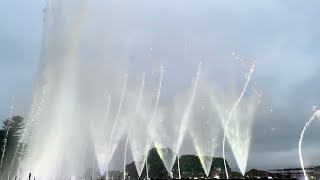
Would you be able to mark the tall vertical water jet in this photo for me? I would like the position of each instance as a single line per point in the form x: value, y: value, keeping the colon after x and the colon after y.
x: 248, y: 78
x: 61, y: 124
x: 314, y: 116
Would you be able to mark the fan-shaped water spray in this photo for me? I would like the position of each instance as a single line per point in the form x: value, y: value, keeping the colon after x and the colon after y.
x: 139, y: 139
x: 230, y: 116
x: 204, y: 127
x: 188, y: 111
x: 239, y: 129
x: 137, y: 147
x: 98, y: 142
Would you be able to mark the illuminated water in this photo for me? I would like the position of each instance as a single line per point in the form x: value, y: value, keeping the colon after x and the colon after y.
x: 72, y: 117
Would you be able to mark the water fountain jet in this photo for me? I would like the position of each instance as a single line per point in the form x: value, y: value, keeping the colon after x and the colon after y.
x: 230, y: 116
x: 314, y: 116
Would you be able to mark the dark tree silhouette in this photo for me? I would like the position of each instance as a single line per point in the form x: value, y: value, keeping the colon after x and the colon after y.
x: 15, y: 126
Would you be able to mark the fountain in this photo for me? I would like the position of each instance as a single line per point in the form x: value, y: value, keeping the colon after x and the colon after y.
x: 154, y: 113
x: 60, y: 112
x: 188, y: 110
x: 314, y: 116
x: 167, y: 147
x: 239, y: 130
x: 244, y: 154
x: 139, y: 139
x: 204, y: 129
x: 135, y: 134
x: 69, y: 121
x: 110, y: 150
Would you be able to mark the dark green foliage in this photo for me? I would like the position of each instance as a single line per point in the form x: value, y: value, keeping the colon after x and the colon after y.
x: 155, y: 165
x: 190, y: 165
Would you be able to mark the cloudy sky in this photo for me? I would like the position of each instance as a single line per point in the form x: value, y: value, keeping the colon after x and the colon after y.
x: 283, y: 37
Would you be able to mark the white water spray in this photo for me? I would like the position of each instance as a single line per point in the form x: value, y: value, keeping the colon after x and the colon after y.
x: 154, y: 115
x: 158, y: 95
x: 138, y: 106
x: 107, y: 111
x: 116, y: 121
x: 187, y: 111
x: 105, y: 124
x: 10, y: 115
x: 141, y: 92
x: 34, y: 114
x: 167, y: 156
x: 314, y: 116
x: 230, y: 116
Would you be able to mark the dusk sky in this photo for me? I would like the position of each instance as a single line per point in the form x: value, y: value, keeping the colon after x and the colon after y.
x: 283, y: 37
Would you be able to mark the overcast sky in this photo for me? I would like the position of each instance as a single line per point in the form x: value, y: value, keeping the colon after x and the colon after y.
x: 283, y: 37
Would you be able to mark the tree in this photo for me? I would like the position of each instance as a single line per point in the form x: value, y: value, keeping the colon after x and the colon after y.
x: 155, y: 165
x: 13, y: 127
x: 190, y: 165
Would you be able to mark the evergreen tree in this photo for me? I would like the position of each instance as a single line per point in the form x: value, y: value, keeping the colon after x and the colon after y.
x: 9, y: 138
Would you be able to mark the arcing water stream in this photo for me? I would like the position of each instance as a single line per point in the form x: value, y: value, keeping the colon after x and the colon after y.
x: 313, y: 117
